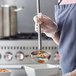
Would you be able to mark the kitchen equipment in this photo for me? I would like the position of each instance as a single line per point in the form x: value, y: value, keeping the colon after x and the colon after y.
x: 40, y: 58
x: 8, y: 73
x: 8, y: 20
x: 41, y: 70
x: 1, y: 24
x: 34, y: 69
x: 14, y: 49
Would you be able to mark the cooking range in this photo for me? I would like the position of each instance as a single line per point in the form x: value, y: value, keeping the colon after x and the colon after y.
x: 13, y: 51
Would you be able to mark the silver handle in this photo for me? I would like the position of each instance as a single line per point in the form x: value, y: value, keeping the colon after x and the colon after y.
x: 16, y: 10
x: 19, y: 9
x: 39, y: 27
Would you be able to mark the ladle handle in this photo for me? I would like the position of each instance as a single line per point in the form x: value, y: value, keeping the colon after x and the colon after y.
x: 39, y: 27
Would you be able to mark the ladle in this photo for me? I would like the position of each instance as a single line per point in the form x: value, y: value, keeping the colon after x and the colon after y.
x: 35, y: 54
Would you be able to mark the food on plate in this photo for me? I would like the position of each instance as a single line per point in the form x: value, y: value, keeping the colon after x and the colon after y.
x: 3, y: 70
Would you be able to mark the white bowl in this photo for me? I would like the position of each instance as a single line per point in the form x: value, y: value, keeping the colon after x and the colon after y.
x: 41, y: 70
x: 5, y: 73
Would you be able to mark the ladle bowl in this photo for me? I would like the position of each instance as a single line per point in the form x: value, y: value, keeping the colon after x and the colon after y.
x: 41, y: 57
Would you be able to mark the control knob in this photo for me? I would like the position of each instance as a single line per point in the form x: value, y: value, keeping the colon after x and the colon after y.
x: 8, y: 56
x: 56, y: 56
x: 20, y: 56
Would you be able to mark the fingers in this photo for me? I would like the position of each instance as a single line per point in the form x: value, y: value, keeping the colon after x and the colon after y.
x: 43, y: 27
x: 43, y: 20
x: 36, y: 19
x: 40, y: 18
x: 36, y: 27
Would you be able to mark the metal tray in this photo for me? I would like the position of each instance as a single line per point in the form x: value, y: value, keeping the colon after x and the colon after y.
x: 5, y: 73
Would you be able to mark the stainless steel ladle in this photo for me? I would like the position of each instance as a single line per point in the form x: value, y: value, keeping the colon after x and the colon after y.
x: 35, y: 53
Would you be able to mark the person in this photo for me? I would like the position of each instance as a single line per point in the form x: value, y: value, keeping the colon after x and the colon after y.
x: 73, y: 73
x: 63, y: 32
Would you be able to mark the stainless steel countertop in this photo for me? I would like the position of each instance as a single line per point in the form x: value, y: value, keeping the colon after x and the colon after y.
x: 18, y: 70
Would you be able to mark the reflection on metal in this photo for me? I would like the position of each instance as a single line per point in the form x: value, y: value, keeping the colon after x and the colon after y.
x: 25, y: 18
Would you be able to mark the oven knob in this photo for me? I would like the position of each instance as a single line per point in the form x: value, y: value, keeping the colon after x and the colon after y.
x: 20, y: 56
x: 56, y: 56
x: 8, y: 56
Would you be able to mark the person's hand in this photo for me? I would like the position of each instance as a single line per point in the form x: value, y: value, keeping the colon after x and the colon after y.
x: 48, y: 26
x: 73, y: 73
x: 68, y: 74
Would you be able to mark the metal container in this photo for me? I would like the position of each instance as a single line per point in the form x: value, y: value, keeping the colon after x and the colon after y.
x: 8, y: 73
x: 1, y: 23
x: 8, y: 20
x: 5, y: 74
x: 41, y: 70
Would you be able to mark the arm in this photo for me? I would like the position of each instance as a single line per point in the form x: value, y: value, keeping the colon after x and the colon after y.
x: 73, y: 73
x: 56, y: 37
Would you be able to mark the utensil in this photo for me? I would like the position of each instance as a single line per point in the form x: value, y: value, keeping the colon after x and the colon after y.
x: 37, y: 54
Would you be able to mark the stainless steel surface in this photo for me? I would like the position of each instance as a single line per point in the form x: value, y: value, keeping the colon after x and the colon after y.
x: 25, y: 17
x: 13, y: 21
x: 1, y: 23
x: 15, y: 9
x: 16, y: 70
x: 41, y: 70
x: 19, y: 9
x: 20, y: 48
x: 39, y: 27
x: 13, y: 54
x: 19, y: 70
x: 8, y: 21
x: 41, y: 59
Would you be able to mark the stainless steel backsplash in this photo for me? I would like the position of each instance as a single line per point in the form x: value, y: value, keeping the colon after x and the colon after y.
x: 25, y: 17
